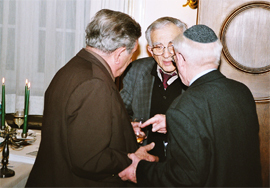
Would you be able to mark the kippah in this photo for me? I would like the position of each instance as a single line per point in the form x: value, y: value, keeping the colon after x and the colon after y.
x: 201, y: 34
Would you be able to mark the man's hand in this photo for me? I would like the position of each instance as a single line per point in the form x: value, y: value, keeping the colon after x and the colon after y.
x: 130, y: 172
x: 137, y: 130
x: 136, y: 126
x: 158, y: 123
x: 142, y: 154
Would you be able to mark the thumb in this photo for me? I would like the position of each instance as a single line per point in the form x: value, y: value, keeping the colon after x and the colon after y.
x: 149, y: 146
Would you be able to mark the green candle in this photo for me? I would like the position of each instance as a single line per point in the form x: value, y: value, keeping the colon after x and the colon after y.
x: 3, y: 105
x: 26, y: 106
x: 25, y: 92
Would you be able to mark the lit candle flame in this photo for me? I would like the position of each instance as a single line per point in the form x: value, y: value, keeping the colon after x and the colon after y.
x: 3, y: 81
x: 26, y: 81
x: 28, y: 85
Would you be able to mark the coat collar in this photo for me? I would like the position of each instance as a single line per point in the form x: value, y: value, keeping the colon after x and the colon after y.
x: 213, y: 75
x: 89, y: 56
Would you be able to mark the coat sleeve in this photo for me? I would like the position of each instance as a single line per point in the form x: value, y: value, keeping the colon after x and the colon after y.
x: 188, y: 156
x: 89, y: 120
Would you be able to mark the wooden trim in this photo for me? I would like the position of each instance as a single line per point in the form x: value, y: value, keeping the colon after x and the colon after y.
x: 226, y: 53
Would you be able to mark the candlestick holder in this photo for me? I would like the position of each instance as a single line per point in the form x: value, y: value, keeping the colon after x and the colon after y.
x: 5, y: 172
x: 12, y: 136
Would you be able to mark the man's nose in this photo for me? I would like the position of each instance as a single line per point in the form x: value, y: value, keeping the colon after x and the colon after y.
x: 166, y: 53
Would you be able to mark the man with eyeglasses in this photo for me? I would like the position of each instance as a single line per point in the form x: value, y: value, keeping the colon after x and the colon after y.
x: 144, y: 93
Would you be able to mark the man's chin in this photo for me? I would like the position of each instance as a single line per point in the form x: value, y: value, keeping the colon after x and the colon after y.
x: 171, y: 69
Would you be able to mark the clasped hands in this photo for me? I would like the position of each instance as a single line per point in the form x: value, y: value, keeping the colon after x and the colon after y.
x: 158, y: 125
x: 141, y: 154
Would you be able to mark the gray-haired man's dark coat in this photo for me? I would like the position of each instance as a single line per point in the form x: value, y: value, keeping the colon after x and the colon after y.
x: 86, y: 132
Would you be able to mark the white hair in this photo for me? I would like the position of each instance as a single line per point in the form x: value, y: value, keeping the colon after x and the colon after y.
x: 198, y: 53
x: 161, y: 23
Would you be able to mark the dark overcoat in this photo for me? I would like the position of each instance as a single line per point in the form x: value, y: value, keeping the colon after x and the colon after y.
x: 213, y: 138
x: 86, y: 132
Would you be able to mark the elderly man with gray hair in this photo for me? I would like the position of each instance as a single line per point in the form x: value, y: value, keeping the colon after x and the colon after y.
x: 86, y: 131
x: 152, y: 83
x: 212, y: 127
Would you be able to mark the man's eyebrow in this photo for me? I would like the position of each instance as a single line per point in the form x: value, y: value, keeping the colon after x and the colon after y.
x: 157, y: 43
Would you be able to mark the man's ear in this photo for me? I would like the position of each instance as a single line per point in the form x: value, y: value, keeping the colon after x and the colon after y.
x: 179, y: 59
x: 118, y: 53
x: 149, y: 48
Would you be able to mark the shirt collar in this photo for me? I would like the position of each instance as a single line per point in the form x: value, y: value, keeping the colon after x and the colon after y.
x: 171, y: 80
x: 200, y: 75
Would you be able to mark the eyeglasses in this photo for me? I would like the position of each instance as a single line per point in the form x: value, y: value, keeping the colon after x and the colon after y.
x: 159, y: 50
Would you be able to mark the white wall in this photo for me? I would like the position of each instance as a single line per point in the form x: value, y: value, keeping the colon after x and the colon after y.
x: 147, y: 11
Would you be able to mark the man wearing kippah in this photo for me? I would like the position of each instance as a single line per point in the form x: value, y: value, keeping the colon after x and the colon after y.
x: 212, y: 127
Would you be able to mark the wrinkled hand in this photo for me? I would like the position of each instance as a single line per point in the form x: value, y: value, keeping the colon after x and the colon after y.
x: 142, y: 154
x: 158, y: 123
x: 130, y: 172
x: 137, y: 129
x: 135, y: 124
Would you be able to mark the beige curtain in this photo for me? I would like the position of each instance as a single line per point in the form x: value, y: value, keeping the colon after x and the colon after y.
x: 37, y: 37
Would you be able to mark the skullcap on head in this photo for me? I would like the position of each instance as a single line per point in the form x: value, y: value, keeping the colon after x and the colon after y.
x: 201, y: 34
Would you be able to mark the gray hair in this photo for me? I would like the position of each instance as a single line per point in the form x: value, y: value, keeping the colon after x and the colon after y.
x: 110, y: 30
x: 161, y: 23
x: 198, y: 53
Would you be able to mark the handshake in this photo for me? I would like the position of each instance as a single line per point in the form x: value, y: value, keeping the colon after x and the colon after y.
x: 141, y: 154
